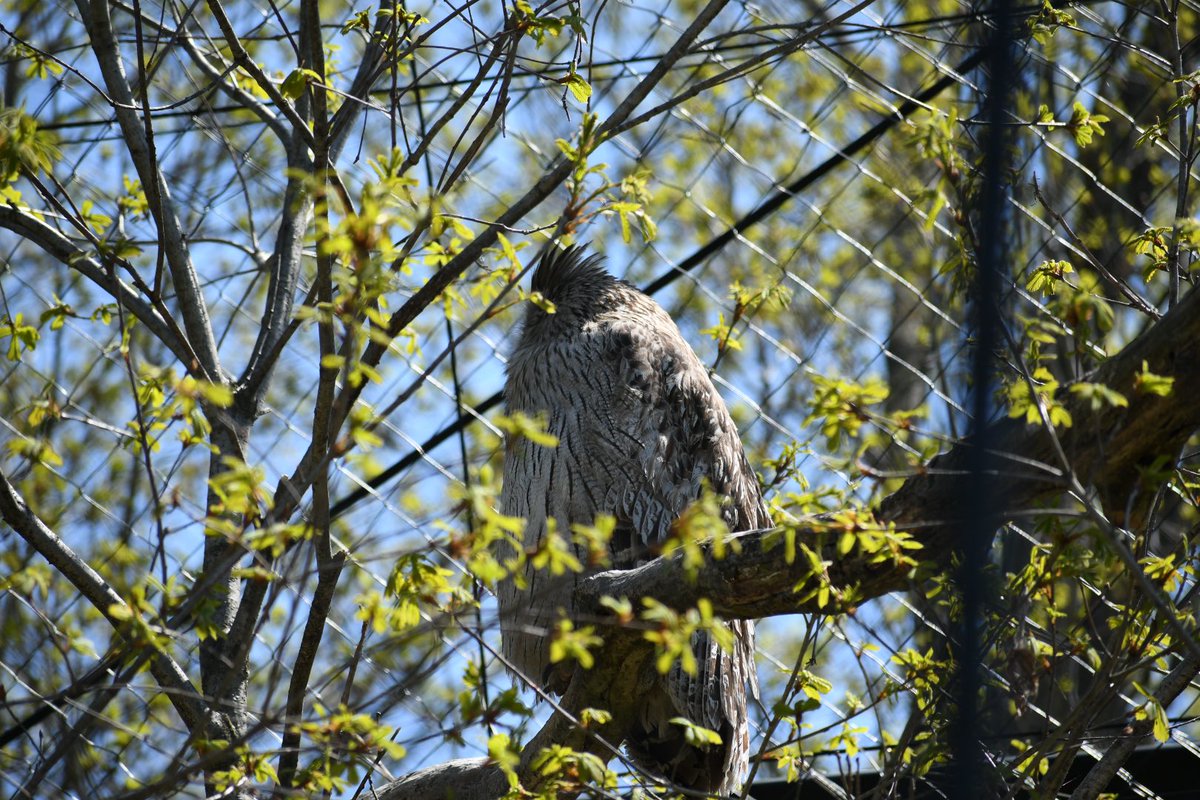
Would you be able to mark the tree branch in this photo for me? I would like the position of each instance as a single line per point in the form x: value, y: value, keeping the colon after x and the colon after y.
x: 462, y: 779
x: 192, y: 306
x: 53, y: 242
x: 1099, y: 777
x: 95, y: 589
x: 757, y: 581
x: 1106, y: 447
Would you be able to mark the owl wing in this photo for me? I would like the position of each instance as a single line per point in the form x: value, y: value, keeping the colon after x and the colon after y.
x: 669, y: 430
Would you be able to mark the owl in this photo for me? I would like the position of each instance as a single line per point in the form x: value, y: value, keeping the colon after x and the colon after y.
x: 641, y: 431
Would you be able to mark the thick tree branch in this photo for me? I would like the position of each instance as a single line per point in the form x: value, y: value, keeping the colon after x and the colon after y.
x: 462, y: 779
x: 1106, y: 446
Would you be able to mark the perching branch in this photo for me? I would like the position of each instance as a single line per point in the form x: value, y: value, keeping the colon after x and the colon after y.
x: 758, y: 581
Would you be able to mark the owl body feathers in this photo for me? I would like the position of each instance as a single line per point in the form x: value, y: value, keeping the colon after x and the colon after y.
x: 640, y: 430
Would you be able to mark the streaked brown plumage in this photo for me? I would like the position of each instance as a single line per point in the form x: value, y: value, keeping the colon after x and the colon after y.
x: 640, y: 428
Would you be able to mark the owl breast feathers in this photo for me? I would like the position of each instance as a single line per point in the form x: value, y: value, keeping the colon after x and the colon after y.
x: 641, y: 429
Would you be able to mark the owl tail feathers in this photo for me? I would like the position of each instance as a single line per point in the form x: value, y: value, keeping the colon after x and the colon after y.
x: 660, y: 747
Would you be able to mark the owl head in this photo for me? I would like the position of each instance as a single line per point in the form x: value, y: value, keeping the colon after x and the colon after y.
x: 576, y: 282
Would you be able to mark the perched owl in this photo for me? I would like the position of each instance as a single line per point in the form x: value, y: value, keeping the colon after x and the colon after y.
x: 640, y: 430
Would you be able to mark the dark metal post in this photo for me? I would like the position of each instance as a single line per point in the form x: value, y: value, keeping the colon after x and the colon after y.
x: 978, y: 530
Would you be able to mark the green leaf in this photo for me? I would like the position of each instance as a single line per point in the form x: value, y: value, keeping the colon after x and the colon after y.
x: 1084, y: 125
x: 519, y: 424
x: 1099, y: 396
x: 23, y: 145
x: 1146, y: 382
x: 580, y: 88
x: 696, y: 735
x: 1047, y: 276
x: 297, y: 82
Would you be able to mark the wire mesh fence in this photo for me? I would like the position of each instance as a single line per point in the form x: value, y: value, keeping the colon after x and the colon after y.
x: 252, y: 408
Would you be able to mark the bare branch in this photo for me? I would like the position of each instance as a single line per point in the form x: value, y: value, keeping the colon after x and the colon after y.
x: 300, y: 131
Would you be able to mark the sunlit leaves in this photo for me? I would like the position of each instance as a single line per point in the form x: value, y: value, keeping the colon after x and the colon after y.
x: 1146, y: 382
x: 840, y: 406
x: 133, y: 202
x: 923, y: 673
x: 594, y: 539
x: 671, y: 633
x: 594, y: 717
x: 562, y: 771
x: 697, y: 735
x: 1036, y: 396
x: 700, y: 532
x: 237, y: 488
x: 248, y: 765
x: 21, y: 336
x: 1047, y: 276
x: 847, y: 739
x: 471, y: 707
x: 813, y: 687
x: 542, y: 302
x: 935, y: 139
x: 1152, y: 710
x: 136, y: 619
x: 723, y: 334
x: 569, y: 643
x: 1098, y: 396
x: 1085, y: 125
x: 1163, y: 570
x: 23, y: 145
x: 538, y: 28
x: 36, y: 450
x: 580, y: 88
x: 1048, y: 19
x: 94, y: 219
x: 491, y: 549
x: 347, y: 743
x: 165, y: 399
x: 521, y: 425
x: 746, y: 302
x: 594, y: 194
x: 296, y: 83
x: 554, y: 552
x: 416, y: 583
x: 502, y: 752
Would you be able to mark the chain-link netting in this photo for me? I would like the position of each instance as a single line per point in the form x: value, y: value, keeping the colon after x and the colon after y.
x: 799, y: 186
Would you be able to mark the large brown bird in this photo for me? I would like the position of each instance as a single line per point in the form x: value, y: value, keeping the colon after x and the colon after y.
x: 640, y: 430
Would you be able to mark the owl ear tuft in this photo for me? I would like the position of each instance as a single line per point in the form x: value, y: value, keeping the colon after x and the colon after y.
x: 566, y: 268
